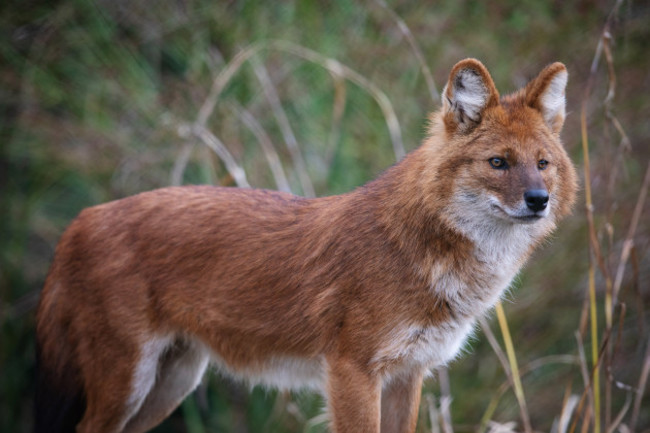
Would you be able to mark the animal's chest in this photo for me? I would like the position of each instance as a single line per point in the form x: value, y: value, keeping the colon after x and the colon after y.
x: 471, y: 290
x: 409, y: 345
x: 468, y: 293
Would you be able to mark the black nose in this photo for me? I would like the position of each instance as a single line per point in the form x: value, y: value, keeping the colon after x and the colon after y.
x: 536, y: 199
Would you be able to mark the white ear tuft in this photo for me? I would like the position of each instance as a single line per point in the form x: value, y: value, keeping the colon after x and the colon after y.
x: 468, y: 93
x: 546, y: 93
x: 552, y: 101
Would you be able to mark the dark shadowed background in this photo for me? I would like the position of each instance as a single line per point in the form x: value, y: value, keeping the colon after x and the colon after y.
x: 100, y: 100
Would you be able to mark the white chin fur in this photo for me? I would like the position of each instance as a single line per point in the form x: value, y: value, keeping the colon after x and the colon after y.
x: 485, y: 220
x: 520, y: 215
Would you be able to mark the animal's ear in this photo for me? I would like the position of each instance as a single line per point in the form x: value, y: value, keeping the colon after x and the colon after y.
x: 469, y: 91
x: 546, y: 94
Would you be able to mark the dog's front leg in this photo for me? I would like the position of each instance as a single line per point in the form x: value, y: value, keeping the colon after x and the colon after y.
x: 400, y: 401
x: 354, y: 397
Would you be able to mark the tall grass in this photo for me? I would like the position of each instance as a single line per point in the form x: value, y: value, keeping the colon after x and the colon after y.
x: 105, y: 99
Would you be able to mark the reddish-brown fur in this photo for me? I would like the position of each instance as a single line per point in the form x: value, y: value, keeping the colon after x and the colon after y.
x: 357, y: 284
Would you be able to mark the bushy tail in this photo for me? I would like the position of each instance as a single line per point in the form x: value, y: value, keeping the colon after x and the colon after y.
x: 59, y: 403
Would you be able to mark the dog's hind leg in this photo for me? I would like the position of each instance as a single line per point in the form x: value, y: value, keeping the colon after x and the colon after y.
x: 180, y: 369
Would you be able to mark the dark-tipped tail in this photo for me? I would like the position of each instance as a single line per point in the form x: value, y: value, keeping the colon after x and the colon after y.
x: 59, y: 403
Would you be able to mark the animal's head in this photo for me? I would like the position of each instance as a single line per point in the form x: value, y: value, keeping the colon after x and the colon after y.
x: 502, y: 156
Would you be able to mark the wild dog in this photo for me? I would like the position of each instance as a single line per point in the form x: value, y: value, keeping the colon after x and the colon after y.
x: 356, y: 296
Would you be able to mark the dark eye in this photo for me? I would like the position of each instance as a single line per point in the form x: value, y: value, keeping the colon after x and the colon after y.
x: 498, y: 163
x: 542, y: 164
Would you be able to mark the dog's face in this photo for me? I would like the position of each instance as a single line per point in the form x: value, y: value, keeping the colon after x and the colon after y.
x: 503, y: 157
x: 514, y: 168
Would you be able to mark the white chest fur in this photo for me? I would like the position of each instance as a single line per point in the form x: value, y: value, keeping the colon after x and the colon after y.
x: 410, y: 345
x: 500, y: 250
x: 470, y: 290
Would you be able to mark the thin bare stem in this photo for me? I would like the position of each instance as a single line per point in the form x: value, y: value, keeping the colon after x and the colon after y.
x: 211, y: 140
x: 180, y: 164
x: 584, y: 370
x: 643, y: 379
x: 222, y: 79
x: 445, y: 399
x: 619, y: 418
x: 628, y: 244
x: 495, y: 346
x: 323, y: 418
x: 594, y: 348
x: 587, y: 420
x: 512, y: 360
x: 445, y: 404
x: 611, y: 90
x: 285, y: 127
x: 591, y: 380
x: 338, y: 108
x: 406, y: 31
x: 434, y: 414
x: 266, y: 144
x: 567, y: 411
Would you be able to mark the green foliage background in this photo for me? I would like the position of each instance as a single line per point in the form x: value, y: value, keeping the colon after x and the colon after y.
x: 94, y: 97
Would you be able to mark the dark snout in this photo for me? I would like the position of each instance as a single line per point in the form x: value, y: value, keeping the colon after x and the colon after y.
x: 536, y: 199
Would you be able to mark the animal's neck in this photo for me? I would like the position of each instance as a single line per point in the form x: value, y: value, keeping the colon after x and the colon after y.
x: 408, y: 200
x: 468, y: 259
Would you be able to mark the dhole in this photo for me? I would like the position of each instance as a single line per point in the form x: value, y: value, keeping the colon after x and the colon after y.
x: 357, y: 296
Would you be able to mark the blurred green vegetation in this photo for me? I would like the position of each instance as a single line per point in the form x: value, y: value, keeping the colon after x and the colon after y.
x: 94, y: 96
